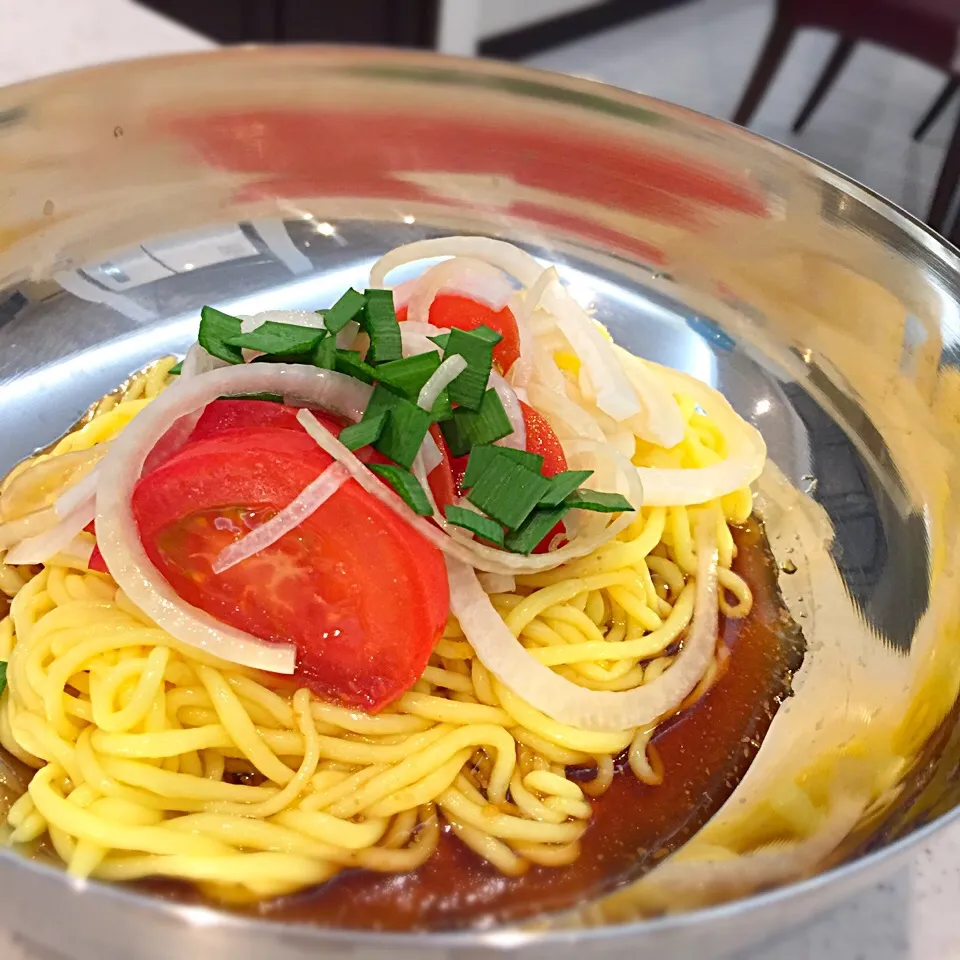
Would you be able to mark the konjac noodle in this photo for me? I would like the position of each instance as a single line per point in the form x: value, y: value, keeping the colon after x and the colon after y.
x: 433, y: 566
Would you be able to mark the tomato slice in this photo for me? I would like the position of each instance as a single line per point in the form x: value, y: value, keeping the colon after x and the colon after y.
x: 229, y: 413
x: 452, y: 310
x: 441, y: 478
x: 363, y: 597
x: 542, y: 440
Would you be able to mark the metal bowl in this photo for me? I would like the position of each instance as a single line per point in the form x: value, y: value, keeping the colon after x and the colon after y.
x: 133, y: 194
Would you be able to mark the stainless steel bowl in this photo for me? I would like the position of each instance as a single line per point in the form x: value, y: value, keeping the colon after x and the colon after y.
x: 133, y: 194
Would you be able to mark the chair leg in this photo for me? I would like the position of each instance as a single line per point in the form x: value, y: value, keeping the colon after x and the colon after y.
x: 939, y: 105
x: 778, y: 42
x: 838, y: 60
x: 946, y: 183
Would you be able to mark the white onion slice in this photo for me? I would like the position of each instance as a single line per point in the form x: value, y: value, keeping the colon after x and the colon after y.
x: 296, y: 318
x: 566, y: 702
x: 478, y: 555
x: 511, y: 406
x: 464, y: 276
x: 746, y: 450
x: 497, y: 582
x: 523, y: 311
x: 430, y: 455
x: 198, y: 361
x: 442, y: 377
x: 305, y: 503
x: 82, y: 491
x: 41, y: 548
x: 117, y: 533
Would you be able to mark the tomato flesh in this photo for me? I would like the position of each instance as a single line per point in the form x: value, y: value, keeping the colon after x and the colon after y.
x: 363, y: 597
x: 451, y: 310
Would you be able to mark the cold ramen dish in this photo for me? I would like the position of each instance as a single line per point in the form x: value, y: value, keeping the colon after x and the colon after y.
x: 431, y: 607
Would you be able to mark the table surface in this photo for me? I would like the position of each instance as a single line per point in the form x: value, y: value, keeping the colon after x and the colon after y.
x: 913, y: 914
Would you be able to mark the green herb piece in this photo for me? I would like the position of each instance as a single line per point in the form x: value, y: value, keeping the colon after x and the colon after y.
x: 600, y: 502
x: 380, y: 322
x: 508, y: 491
x: 476, y: 523
x: 216, y: 328
x: 468, y: 428
x: 535, y: 528
x: 272, y: 397
x: 440, y: 340
x: 562, y: 485
x: 3, y: 674
x: 407, y: 485
x: 407, y: 377
x: 405, y: 428
x: 347, y: 308
x: 350, y: 363
x: 177, y: 368
x: 365, y: 432
x: 477, y: 349
x: 324, y: 354
x: 488, y: 334
x: 279, y: 339
x: 482, y: 456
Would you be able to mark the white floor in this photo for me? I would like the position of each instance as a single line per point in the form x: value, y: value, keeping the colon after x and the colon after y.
x: 700, y: 55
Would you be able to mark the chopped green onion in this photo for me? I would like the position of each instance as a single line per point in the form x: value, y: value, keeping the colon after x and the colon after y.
x: 324, y: 354
x: 407, y: 485
x: 350, y: 363
x: 379, y: 320
x: 216, y: 327
x: 405, y: 428
x: 562, y: 485
x: 279, y: 339
x: 407, y: 377
x: 440, y: 340
x: 347, y: 308
x: 467, y: 428
x: 488, y: 334
x: 3, y: 674
x: 477, y: 349
x: 482, y: 456
x: 476, y: 523
x: 600, y: 502
x: 177, y: 368
x: 365, y: 432
x: 508, y: 492
x: 536, y: 527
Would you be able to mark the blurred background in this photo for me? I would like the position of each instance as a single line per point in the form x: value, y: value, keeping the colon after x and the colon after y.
x: 866, y: 86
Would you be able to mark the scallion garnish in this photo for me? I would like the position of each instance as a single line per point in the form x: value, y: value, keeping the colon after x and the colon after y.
x: 476, y: 523
x: 407, y: 485
x: 476, y: 347
x: 347, y: 308
x: 407, y: 377
x: 350, y: 363
x: 365, y: 432
x: 468, y: 428
x: 3, y: 674
x: 216, y: 327
x: 562, y: 485
x: 405, y: 428
x: 380, y: 323
x: 324, y: 354
x: 535, y: 528
x: 597, y: 501
x: 279, y: 339
x: 176, y: 369
x: 481, y: 457
x: 508, y: 491
x: 440, y: 340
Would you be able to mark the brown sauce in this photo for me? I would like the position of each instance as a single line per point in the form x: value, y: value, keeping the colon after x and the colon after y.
x: 705, y: 753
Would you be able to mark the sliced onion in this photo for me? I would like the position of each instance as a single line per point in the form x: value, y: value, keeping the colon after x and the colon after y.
x: 568, y: 419
x: 451, y: 540
x: 296, y: 318
x: 198, y: 361
x: 746, y: 450
x: 414, y: 343
x: 32, y: 525
x: 511, y: 406
x: 117, y: 534
x: 497, y: 582
x: 307, y: 502
x: 45, y: 482
x: 41, y: 548
x: 464, y: 276
x: 442, y: 377
x: 430, y: 455
x: 83, y: 491
x: 566, y: 702
x: 523, y: 311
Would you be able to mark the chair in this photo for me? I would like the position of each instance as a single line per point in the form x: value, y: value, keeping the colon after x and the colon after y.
x: 925, y: 29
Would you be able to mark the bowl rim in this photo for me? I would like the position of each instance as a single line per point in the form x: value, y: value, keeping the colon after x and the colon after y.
x: 515, y: 934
